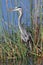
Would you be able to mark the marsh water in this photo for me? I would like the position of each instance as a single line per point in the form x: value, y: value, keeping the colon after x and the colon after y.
x: 10, y: 62
x: 27, y: 61
x: 20, y: 62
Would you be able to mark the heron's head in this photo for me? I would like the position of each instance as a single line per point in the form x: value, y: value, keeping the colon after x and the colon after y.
x: 16, y: 9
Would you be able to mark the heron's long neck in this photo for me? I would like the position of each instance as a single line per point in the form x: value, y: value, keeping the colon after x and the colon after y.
x: 19, y: 22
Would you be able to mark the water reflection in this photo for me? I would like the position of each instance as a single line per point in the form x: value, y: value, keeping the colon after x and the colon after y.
x: 15, y: 62
x: 28, y: 61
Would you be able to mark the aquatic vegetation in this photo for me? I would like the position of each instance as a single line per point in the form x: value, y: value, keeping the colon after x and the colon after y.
x: 16, y: 52
x: 13, y: 48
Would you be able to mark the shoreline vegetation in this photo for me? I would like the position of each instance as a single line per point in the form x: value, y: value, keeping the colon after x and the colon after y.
x: 13, y: 51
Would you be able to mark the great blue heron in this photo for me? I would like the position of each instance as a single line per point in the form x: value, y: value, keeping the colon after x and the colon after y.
x: 26, y: 37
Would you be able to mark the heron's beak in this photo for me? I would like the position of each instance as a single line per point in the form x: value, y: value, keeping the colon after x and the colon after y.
x: 15, y: 9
